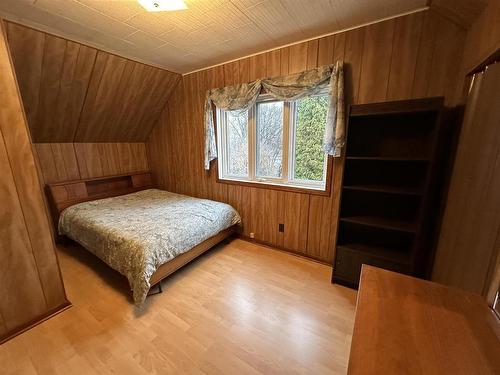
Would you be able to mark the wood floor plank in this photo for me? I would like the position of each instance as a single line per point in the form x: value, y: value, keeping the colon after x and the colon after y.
x: 239, y: 309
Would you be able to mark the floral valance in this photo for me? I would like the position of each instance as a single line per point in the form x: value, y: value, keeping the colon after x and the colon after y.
x: 287, y: 88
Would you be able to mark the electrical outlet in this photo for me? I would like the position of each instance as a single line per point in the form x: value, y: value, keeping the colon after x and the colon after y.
x: 281, y: 227
x: 252, y: 235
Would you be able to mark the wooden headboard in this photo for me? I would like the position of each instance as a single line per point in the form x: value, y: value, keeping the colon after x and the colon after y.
x: 64, y: 194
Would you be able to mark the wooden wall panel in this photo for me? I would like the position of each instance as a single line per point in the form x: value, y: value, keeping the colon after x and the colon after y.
x: 3, y: 327
x: 372, y: 55
x: 31, y: 68
x: 407, y: 32
x: 446, y: 60
x: 483, y: 37
x: 353, y: 53
x: 463, y: 12
x: 72, y: 161
x: 471, y: 224
x: 74, y: 93
x: 376, y: 62
x: 471, y: 219
x: 57, y: 161
x: 438, y: 63
x: 22, y: 162
x: 53, y: 76
x: 295, y: 217
x: 22, y: 295
x: 31, y: 284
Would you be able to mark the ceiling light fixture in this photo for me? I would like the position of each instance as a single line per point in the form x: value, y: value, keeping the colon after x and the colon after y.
x: 162, y: 5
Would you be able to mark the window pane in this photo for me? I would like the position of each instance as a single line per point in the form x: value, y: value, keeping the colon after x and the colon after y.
x: 237, y: 139
x: 309, y: 129
x: 269, y: 139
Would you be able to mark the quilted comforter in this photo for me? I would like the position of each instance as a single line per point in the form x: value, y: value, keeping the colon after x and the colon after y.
x: 136, y: 233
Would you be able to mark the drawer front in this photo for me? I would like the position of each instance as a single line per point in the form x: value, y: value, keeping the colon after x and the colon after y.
x: 348, y: 264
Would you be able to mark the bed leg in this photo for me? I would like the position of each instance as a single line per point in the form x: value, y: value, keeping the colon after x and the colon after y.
x: 160, y: 289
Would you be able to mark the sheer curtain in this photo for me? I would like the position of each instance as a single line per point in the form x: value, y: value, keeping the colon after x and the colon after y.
x: 287, y: 88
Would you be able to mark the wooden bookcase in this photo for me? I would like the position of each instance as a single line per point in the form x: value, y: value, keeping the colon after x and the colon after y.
x: 389, y: 188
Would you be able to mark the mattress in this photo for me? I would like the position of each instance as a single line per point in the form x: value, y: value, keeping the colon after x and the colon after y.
x: 136, y: 233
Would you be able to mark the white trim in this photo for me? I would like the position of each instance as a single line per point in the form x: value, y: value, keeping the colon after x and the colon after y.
x: 252, y: 144
x: 223, y: 146
x: 418, y: 10
x: 292, y: 154
x: 269, y: 182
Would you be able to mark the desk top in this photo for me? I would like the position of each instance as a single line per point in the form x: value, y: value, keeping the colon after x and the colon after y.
x: 405, y: 325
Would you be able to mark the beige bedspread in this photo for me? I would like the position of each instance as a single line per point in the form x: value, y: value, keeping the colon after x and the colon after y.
x: 136, y: 233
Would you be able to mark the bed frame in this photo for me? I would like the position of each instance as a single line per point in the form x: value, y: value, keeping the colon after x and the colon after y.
x: 64, y: 194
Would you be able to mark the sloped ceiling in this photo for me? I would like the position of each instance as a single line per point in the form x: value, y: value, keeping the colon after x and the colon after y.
x: 75, y: 93
x: 463, y: 12
x: 207, y: 33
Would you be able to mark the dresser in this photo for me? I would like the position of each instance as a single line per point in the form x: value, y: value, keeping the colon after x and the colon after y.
x: 405, y: 325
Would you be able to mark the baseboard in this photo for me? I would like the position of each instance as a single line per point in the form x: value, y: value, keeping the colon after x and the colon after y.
x: 42, y: 318
x: 282, y: 249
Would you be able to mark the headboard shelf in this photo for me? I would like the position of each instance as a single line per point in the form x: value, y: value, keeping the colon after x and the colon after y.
x: 102, y: 179
x: 64, y: 194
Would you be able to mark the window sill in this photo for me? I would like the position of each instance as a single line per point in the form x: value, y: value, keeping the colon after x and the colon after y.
x: 280, y: 187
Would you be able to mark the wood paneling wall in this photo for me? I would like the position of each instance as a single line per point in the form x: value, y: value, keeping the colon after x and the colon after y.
x: 408, y: 57
x: 463, y: 12
x: 72, y: 161
x: 483, y: 37
x: 30, y: 282
x: 470, y: 237
x: 75, y: 93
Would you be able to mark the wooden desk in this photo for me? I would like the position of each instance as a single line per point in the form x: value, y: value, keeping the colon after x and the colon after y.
x: 405, y: 325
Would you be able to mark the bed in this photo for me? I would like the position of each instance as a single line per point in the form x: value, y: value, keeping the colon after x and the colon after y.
x: 142, y: 232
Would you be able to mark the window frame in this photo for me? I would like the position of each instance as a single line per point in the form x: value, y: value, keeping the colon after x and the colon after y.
x: 264, y: 98
x: 222, y: 141
x: 292, y: 151
x: 287, y: 181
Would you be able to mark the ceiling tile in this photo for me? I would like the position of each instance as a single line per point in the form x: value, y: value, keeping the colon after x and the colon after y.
x: 153, y: 23
x: 145, y: 41
x: 273, y: 19
x: 207, y: 33
x: 227, y: 16
x: 84, y: 15
x: 243, y: 4
x: 121, y: 10
x: 313, y: 16
x: 204, y: 5
x: 369, y: 10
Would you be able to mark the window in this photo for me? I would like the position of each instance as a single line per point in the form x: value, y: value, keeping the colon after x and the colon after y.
x: 237, y: 144
x: 275, y: 142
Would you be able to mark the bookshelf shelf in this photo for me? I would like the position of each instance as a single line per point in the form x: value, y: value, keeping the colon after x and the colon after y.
x: 387, y: 188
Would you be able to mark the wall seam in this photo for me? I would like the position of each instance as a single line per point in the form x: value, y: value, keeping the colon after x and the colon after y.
x: 28, y: 234
x: 75, y: 132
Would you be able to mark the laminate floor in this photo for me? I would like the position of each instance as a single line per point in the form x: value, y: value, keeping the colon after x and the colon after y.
x: 241, y: 308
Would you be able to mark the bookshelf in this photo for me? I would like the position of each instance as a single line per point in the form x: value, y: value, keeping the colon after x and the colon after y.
x: 389, y: 188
